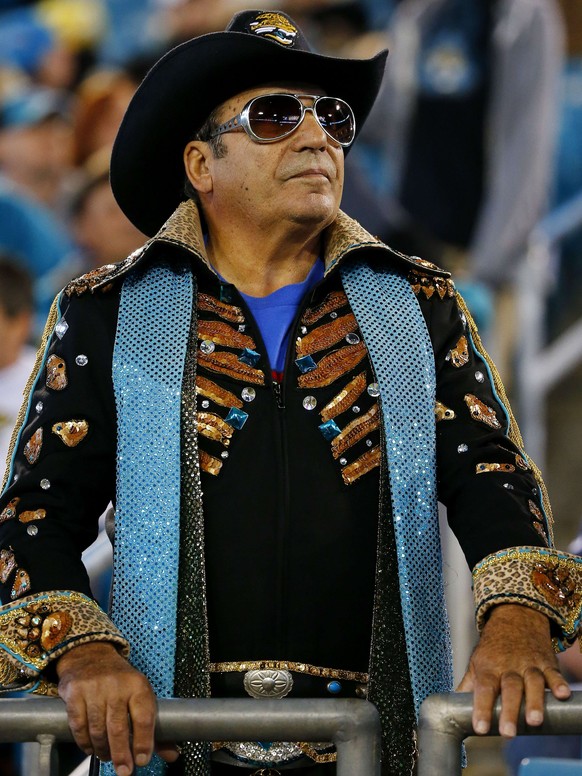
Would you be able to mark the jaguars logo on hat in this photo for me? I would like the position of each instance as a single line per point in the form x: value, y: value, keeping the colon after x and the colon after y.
x: 276, y: 27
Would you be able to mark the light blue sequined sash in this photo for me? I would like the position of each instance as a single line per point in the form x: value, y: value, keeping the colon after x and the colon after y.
x: 148, y: 364
x: 401, y: 353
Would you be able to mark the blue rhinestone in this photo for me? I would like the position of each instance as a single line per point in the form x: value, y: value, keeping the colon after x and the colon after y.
x: 250, y: 357
x: 330, y: 430
x: 334, y: 687
x: 225, y: 293
x: 265, y: 745
x: 236, y: 418
x: 306, y: 364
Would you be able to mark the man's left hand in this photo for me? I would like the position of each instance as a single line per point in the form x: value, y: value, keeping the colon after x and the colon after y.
x: 514, y: 659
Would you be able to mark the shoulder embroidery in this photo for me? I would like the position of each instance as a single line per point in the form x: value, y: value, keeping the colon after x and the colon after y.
x: 102, y: 277
x: 430, y: 284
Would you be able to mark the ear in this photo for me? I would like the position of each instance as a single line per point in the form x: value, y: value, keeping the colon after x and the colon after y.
x: 197, y: 158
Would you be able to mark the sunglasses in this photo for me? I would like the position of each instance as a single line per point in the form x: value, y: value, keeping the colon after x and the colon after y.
x: 271, y: 117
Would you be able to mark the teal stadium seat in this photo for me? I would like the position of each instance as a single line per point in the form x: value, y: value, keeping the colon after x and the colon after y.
x: 545, y: 766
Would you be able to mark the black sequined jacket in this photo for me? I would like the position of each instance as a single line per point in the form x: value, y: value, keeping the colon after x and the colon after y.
x: 291, y: 518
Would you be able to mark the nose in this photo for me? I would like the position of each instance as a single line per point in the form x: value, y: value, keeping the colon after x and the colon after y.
x: 310, y: 133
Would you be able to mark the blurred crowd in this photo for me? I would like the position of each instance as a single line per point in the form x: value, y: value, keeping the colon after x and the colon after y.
x: 476, y: 136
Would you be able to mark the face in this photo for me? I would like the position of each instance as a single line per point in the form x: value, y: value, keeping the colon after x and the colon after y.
x: 297, y: 180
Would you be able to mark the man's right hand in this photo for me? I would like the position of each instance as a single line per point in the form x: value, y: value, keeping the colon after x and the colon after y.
x: 111, y: 707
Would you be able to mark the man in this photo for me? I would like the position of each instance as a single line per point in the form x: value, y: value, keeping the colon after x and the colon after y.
x: 255, y: 389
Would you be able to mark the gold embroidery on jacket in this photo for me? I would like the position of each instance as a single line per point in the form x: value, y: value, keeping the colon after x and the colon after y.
x: 355, y: 431
x: 333, y: 301
x: 362, y: 465
x: 333, y: 365
x: 228, y: 364
x: 30, y: 515
x: 481, y: 412
x: 216, y: 393
x: 459, y: 355
x: 505, y: 468
x: 442, y: 412
x: 208, y: 463
x: 345, y: 398
x: 212, y: 305
x: 56, y: 373
x: 212, y: 426
x: 33, y: 447
x: 429, y: 285
x: 327, y: 335
x: 223, y: 334
x: 71, y: 432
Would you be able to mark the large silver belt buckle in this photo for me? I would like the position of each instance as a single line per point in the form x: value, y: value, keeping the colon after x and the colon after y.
x: 268, y: 683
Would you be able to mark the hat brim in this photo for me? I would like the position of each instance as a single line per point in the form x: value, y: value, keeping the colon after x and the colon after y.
x: 182, y: 89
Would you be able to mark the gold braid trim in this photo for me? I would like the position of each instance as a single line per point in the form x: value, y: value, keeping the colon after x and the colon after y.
x: 513, y: 433
x: 288, y: 665
x: 48, y: 330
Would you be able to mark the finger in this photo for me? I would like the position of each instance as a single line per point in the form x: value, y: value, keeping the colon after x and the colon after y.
x: 535, y: 686
x: 142, y: 709
x: 97, y: 725
x: 485, y: 693
x: 168, y: 752
x: 557, y: 684
x: 77, y: 719
x: 466, y: 684
x: 512, y: 690
x: 118, y: 734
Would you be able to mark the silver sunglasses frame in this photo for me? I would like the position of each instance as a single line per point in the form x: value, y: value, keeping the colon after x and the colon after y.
x: 241, y: 120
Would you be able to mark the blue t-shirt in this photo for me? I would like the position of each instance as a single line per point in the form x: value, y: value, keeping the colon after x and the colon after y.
x: 275, y: 313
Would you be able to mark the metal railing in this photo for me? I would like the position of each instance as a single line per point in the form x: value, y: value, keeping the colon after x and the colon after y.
x: 445, y: 721
x: 352, y: 725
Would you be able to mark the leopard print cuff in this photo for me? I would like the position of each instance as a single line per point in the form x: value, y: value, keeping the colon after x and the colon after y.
x: 542, y: 578
x: 36, y: 630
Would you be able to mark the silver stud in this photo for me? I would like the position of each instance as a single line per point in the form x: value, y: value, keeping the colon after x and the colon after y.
x: 241, y: 327
x: 333, y: 315
x: 207, y: 347
x: 462, y: 448
x: 248, y: 394
x: 534, y: 491
x: 205, y: 404
x: 355, y: 409
x: 45, y: 484
x: 374, y: 389
x: 32, y: 530
x: 369, y: 442
x: 343, y: 461
x: 303, y: 330
x: 464, y: 319
x: 310, y: 402
x: 508, y: 485
x: 352, y: 338
x: 81, y: 360
x: 480, y: 377
x: 224, y: 454
x: 39, y: 407
x: 61, y: 328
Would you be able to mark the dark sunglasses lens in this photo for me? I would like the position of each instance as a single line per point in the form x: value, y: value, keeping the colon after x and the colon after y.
x: 274, y: 116
x: 337, y: 118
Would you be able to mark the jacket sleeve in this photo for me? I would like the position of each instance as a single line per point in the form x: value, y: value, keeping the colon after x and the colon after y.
x: 496, y: 500
x: 60, y: 478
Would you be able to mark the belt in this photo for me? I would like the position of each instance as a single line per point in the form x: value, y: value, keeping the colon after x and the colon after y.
x: 276, y: 679
x: 279, y: 678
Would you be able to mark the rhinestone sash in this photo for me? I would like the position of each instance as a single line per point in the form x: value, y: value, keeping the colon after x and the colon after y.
x: 403, y: 360
x: 148, y: 365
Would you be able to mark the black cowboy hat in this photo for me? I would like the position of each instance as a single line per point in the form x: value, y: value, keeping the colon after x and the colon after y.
x: 187, y: 83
